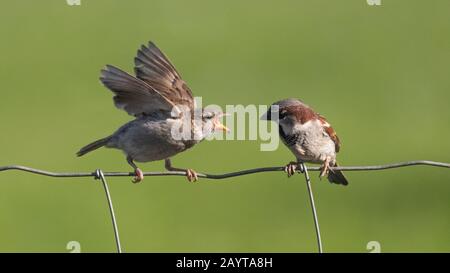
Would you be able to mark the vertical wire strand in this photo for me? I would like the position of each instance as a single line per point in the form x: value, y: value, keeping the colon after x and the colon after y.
x: 313, y: 207
x: 101, y: 176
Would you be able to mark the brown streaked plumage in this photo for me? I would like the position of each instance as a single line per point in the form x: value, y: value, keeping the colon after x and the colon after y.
x: 330, y: 131
x: 153, y: 67
x: 309, y: 136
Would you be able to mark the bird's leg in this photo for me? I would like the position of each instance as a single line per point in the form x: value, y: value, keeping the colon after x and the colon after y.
x: 190, y: 174
x: 139, y: 174
x: 325, y: 167
x: 291, y: 168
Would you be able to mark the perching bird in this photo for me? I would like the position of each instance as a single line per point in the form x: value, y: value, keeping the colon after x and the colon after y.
x: 163, y: 107
x: 309, y: 137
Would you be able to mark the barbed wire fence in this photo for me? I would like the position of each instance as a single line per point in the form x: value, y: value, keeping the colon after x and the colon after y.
x: 99, y: 174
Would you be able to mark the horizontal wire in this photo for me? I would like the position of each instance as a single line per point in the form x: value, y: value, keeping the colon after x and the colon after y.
x: 225, y: 175
x: 98, y: 174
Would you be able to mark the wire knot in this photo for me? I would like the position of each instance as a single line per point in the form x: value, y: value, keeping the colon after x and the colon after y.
x: 301, y: 167
x: 98, y: 174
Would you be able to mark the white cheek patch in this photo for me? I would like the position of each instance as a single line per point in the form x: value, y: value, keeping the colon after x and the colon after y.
x: 287, y: 128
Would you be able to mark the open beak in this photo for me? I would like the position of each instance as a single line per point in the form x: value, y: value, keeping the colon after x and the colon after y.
x: 218, y: 126
x: 273, y: 110
x: 268, y: 114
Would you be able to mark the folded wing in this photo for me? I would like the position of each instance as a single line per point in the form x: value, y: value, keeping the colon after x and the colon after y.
x: 330, y: 132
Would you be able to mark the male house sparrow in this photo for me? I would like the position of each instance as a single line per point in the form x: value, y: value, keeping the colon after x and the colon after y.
x: 159, y: 100
x: 309, y: 137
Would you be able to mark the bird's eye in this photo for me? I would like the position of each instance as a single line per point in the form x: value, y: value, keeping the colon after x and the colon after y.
x: 208, y: 116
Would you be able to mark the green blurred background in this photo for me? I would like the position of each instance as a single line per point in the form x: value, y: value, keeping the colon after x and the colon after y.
x: 380, y: 75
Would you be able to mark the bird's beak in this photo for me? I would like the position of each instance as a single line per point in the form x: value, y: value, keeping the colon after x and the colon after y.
x: 218, y: 126
x: 223, y: 115
x: 266, y: 115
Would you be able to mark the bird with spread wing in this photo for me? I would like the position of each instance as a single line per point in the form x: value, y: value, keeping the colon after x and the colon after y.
x: 162, y: 105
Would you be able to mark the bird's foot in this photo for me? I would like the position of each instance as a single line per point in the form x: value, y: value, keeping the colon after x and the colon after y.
x: 191, y: 175
x: 291, y: 168
x: 139, y: 176
x: 324, y: 169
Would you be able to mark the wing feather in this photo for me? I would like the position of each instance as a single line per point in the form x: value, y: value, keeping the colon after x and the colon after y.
x: 154, y: 68
x: 133, y: 95
x: 330, y: 132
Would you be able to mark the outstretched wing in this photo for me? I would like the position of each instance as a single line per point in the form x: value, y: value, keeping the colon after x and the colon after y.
x: 154, y: 68
x: 330, y: 131
x: 133, y: 95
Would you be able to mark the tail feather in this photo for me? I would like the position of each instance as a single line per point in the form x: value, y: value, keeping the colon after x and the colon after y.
x: 337, y: 177
x: 93, y: 146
